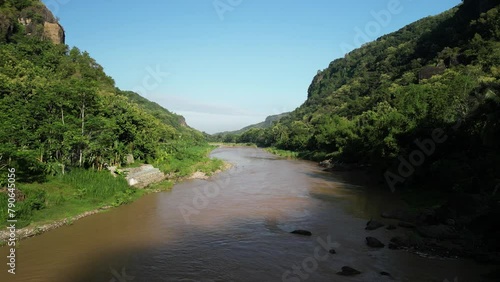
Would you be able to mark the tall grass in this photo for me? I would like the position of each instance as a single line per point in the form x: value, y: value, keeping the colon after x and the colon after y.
x: 82, y: 190
x: 186, y: 159
x: 283, y: 153
x: 92, y: 184
x: 67, y: 195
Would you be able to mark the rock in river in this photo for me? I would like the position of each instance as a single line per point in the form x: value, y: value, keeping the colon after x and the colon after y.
x: 302, y: 232
x: 373, y: 224
x: 374, y: 242
x: 348, y: 271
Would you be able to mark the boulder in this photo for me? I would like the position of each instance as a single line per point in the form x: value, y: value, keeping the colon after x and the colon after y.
x: 326, y: 164
x: 398, y: 242
x: 141, y: 177
x: 302, y: 232
x: 348, y: 271
x: 130, y: 159
x: 383, y: 273
x: 373, y: 224
x: 374, y: 242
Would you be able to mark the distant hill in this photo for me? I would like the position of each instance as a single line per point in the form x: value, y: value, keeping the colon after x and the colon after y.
x: 270, y: 121
x: 167, y: 117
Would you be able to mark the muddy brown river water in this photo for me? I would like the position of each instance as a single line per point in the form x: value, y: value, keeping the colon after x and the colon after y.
x: 235, y: 227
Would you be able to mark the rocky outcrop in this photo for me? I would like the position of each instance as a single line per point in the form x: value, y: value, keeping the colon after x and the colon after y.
x: 302, y: 232
x: 143, y: 176
x: 54, y: 32
x: 36, y: 21
x: 348, y: 271
x: 374, y: 242
x: 373, y: 224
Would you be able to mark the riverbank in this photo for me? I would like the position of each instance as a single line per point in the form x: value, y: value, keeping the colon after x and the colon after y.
x: 65, y: 199
x: 436, y: 223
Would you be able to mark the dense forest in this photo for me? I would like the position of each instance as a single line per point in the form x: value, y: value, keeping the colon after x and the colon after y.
x: 62, y: 119
x: 59, y: 108
x: 379, y: 104
x: 237, y: 137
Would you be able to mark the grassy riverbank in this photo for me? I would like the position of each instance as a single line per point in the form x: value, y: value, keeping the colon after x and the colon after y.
x: 282, y: 153
x: 79, y: 190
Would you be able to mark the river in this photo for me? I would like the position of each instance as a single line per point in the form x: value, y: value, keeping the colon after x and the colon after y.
x: 235, y: 227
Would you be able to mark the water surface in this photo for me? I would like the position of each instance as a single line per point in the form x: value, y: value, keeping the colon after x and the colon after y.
x: 234, y: 227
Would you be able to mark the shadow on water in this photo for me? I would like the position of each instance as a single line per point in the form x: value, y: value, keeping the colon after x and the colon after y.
x: 239, y: 234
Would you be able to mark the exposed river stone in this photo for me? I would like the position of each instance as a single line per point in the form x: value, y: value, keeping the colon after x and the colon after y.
x: 302, y: 232
x: 141, y: 177
x: 374, y: 242
x: 373, y: 224
x: 348, y: 271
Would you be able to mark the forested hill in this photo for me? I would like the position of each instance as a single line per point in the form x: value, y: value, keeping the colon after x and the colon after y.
x: 59, y: 109
x: 370, y: 107
x: 235, y: 136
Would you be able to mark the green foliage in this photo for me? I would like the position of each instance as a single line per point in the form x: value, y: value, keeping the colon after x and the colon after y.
x: 370, y: 106
x: 58, y: 109
x: 62, y: 119
x: 94, y: 185
x: 181, y: 159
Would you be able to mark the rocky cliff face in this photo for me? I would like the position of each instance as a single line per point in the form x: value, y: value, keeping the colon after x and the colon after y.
x: 39, y: 21
x: 34, y: 20
x: 54, y: 32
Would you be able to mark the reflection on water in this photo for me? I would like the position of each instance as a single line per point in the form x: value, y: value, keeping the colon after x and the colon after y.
x: 233, y: 227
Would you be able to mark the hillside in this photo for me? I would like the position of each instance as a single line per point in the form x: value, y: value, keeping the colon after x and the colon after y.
x: 58, y: 108
x: 230, y: 136
x: 167, y: 117
x: 370, y: 107
x: 417, y: 110
x: 63, y: 121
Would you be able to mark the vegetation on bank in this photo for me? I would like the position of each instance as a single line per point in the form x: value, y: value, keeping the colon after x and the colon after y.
x: 80, y: 190
x: 282, y: 153
x: 376, y: 105
x: 63, y: 120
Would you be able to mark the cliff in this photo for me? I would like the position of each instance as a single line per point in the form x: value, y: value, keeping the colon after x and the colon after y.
x: 29, y: 18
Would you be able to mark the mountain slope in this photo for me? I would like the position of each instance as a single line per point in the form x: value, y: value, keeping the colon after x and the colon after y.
x: 270, y: 120
x: 439, y: 73
x: 59, y: 109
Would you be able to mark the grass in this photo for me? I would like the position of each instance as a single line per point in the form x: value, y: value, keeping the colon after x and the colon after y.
x: 68, y: 195
x: 283, y: 153
x: 185, y: 160
x: 79, y: 190
x: 234, y: 144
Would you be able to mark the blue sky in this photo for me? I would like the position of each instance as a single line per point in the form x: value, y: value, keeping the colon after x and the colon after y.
x: 225, y: 64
